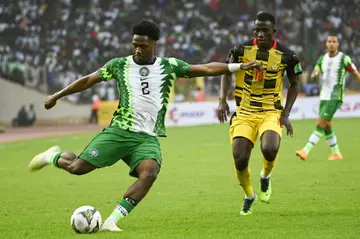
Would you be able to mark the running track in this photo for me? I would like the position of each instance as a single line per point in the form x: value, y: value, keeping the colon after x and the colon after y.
x: 16, y: 134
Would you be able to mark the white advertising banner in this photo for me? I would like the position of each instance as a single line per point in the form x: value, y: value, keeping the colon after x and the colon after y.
x: 199, y: 113
x: 308, y: 108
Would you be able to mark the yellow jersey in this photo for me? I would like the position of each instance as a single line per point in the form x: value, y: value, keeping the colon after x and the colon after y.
x: 262, y: 91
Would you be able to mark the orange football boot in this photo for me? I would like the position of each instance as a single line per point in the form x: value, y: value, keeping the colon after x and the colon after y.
x: 336, y: 157
x: 302, y: 154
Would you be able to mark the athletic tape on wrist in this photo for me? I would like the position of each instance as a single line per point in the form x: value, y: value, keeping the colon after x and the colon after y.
x: 233, y: 67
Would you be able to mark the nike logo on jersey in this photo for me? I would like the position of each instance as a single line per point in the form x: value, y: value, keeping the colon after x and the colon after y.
x: 143, y: 78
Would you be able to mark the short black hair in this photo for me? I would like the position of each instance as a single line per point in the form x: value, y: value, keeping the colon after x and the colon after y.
x: 265, y: 16
x: 147, y: 28
x: 333, y: 34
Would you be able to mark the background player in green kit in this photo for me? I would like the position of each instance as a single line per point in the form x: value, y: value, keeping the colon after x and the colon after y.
x: 144, y: 83
x: 333, y: 67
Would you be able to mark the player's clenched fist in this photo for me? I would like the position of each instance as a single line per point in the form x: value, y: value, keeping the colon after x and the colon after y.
x: 50, y: 101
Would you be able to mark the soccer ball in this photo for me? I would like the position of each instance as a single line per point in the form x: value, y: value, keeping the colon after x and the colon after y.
x: 86, y: 219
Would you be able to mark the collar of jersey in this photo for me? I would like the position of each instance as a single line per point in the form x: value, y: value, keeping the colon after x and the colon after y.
x: 273, y: 46
x: 156, y: 61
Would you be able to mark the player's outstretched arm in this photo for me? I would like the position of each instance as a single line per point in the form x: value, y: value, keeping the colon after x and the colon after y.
x: 77, y: 86
x: 217, y: 68
x: 224, y: 109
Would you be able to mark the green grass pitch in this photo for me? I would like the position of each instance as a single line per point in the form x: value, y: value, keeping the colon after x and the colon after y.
x: 196, y: 194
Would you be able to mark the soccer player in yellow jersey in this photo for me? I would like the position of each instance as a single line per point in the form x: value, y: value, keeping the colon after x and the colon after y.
x: 259, y: 104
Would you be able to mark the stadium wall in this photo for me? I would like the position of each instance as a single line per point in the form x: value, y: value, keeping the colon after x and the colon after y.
x: 14, y: 96
x: 206, y: 113
x: 199, y: 113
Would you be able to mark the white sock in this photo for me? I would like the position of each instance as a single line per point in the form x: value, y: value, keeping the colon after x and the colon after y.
x: 48, y: 156
x: 313, y: 140
x: 262, y: 175
x: 119, y: 212
x: 250, y: 197
x: 331, y: 141
x: 113, y: 218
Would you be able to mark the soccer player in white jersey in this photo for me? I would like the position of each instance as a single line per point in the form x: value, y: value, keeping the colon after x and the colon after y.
x: 333, y: 67
x: 144, y: 83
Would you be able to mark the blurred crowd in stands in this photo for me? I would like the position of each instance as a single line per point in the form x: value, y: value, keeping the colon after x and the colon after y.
x: 47, y: 44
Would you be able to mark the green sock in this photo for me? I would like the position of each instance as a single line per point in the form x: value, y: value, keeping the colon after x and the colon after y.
x: 54, y: 158
x: 123, y: 209
x: 314, y: 138
x: 332, y: 141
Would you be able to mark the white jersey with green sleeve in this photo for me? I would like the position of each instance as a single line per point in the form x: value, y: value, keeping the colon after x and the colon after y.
x: 144, y: 92
x: 333, y: 71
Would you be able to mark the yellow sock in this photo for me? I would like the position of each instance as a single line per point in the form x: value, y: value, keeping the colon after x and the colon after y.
x: 244, y: 180
x: 267, y: 167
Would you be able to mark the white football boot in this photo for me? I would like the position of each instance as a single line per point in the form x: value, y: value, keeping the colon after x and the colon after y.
x: 110, y: 225
x: 42, y: 159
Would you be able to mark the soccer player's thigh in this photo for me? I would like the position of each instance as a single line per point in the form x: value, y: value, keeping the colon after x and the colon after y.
x: 243, y: 133
x: 145, y: 157
x: 245, y: 126
x: 327, y: 109
x: 270, y: 133
x: 108, y: 147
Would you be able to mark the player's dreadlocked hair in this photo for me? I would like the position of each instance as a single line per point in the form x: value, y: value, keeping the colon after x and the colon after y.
x: 147, y: 28
x: 265, y: 16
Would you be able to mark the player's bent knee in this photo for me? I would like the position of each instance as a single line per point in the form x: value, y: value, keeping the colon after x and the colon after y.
x: 328, y: 125
x: 68, y: 156
x: 270, y: 143
x: 323, y: 123
x: 147, y: 170
x: 76, y: 170
x: 269, y: 151
x: 80, y: 167
x: 241, y: 153
x: 241, y: 165
x: 241, y: 160
x: 148, y: 175
x: 240, y: 156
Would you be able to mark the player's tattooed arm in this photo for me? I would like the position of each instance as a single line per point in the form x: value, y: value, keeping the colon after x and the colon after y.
x: 79, y: 85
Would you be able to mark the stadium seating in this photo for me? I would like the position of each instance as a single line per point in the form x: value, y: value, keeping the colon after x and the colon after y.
x: 46, y: 44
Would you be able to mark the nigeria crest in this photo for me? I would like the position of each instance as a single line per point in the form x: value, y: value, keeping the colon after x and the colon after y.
x: 144, y: 71
x: 93, y: 152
